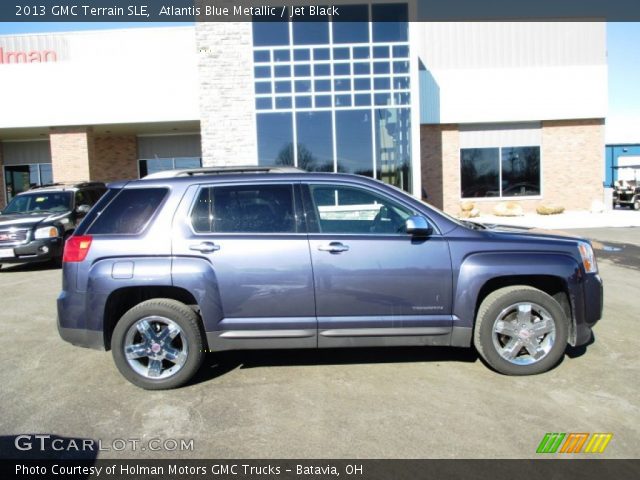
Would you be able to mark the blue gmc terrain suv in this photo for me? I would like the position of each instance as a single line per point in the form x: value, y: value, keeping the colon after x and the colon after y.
x: 165, y: 268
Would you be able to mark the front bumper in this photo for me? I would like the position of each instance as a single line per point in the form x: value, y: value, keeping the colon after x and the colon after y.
x: 40, y: 250
x: 593, y: 300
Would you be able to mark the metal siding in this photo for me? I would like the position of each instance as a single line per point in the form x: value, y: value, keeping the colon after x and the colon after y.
x: 21, y: 153
x: 512, y: 135
x: 512, y: 44
x: 169, y: 146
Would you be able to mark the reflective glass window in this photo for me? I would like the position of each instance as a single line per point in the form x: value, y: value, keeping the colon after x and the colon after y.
x: 270, y: 33
x: 362, y: 84
x: 351, y: 26
x: 282, y: 71
x: 323, y: 101
x: 283, y: 87
x: 263, y: 103
x: 520, y: 171
x: 261, y: 56
x: 301, y: 54
x: 303, y: 86
x: 283, y: 103
x: 361, y: 68
x: 321, y: 54
x: 310, y: 32
x: 362, y: 99
x: 361, y: 52
x: 303, y: 102
x: 262, y: 72
x: 381, y: 52
x: 393, y: 146
x: 263, y: 87
x: 275, y: 138
x: 302, y: 70
x: 390, y: 22
x: 341, y: 54
x: 281, y: 55
x: 354, y: 142
x: 342, y: 69
x: 315, y: 151
x: 480, y: 172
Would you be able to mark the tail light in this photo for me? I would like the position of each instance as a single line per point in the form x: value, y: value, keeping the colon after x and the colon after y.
x: 76, y: 248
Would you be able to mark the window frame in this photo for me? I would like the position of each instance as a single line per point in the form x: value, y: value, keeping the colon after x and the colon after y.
x: 298, y: 212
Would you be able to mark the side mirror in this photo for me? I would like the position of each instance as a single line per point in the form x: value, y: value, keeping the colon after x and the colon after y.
x: 83, y: 209
x: 418, y: 225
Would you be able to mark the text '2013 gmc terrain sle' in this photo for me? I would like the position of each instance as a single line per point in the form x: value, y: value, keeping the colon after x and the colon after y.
x: 165, y: 268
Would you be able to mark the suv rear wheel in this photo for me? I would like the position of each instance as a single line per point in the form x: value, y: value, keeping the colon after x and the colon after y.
x: 521, y: 330
x: 158, y: 344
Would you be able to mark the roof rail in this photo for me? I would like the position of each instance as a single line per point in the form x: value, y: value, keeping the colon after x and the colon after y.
x: 222, y: 170
x: 67, y: 184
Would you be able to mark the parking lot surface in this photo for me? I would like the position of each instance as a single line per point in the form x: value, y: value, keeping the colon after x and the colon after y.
x: 364, y: 403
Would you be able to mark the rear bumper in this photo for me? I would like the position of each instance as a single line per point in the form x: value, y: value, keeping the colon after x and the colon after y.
x: 82, y: 338
x: 35, y: 251
x: 72, y: 325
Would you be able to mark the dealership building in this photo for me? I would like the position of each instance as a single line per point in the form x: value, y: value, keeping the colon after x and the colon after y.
x: 487, y: 112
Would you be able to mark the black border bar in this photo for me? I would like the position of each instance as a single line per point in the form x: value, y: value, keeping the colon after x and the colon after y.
x: 553, y: 469
x: 420, y: 10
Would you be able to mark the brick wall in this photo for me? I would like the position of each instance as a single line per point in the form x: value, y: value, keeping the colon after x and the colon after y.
x: 573, y: 162
x: 72, y: 153
x: 440, y: 165
x: 3, y: 198
x: 227, y: 108
x: 572, y: 155
x: 115, y: 158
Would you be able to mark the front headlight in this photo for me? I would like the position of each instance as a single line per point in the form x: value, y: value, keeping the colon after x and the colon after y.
x: 46, y: 232
x: 588, y: 257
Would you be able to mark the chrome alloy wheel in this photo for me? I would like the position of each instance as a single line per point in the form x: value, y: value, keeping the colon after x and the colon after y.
x: 524, y: 333
x: 155, y: 347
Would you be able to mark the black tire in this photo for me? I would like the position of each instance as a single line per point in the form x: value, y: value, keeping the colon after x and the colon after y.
x: 188, y: 342
x: 501, y: 309
x: 636, y: 204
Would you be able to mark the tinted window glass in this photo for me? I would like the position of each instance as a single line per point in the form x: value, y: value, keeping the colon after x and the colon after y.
x: 356, y: 211
x: 352, y: 25
x: 310, y: 32
x: 275, y: 139
x: 269, y: 33
x: 480, y: 175
x: 315, y: 152
x: 129, y: 212
x: 390, y: 22
x: 353, y: 142
x: 245, y: 209
x: 93, y: 213
x: 520, y: 171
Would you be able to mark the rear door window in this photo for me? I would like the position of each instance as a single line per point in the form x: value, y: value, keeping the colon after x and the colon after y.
x: 245, y: 209
x: 129, y: 212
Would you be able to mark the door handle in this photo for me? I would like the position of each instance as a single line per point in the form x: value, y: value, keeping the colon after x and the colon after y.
x: 205, y: 247
x: 333, y: 247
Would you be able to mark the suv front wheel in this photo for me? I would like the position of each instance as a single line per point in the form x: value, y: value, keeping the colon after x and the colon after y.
x: 158, y: 344
x: 521, y: 330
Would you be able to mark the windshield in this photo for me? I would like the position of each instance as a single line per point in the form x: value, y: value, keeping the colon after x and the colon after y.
x: 40, y: 202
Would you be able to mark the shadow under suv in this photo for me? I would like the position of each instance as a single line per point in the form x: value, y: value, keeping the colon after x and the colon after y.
x: 179, y: 263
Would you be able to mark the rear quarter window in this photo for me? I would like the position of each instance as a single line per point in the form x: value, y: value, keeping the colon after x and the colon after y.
x: 128, y: 213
